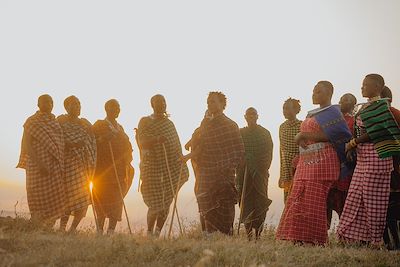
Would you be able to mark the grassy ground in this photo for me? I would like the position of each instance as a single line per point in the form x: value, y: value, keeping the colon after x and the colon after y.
x: 22, y: 244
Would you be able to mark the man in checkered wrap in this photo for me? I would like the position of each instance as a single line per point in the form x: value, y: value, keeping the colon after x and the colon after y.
x: 80, y: 161
x: 253, y: 175
x: 160, y: 182
x: 220, y: 152
x: 113, y: 147
x: 42, y: 156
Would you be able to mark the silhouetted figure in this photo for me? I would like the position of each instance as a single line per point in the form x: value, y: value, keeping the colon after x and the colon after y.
x: 42, y: 156
x: 288, y: 149
x: 392, y: 231
x: 376, y: 140
x: 114, y: 156
x: 252, y: 176
x: 221, y: 152
x: 160, y: 180
x: 79, y: 161
x: 322, y: 140
x: 338, y: 193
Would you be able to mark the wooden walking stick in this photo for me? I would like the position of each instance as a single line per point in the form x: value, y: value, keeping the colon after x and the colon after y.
x: 119, y: 186
x: 175, y: 202
x: 172, y: 187
x: 242, y: 198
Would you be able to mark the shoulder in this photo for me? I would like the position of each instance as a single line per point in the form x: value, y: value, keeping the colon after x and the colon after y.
x: 86, y: 123
x: 62, y: 119
x: 229, y: 122
x: 394, y: 110
x: 121, y: 127
x: 261, y: 128
x: 144, y: 121
x: 243, y: 131
x: 31, y: 118
x: 99, y: 123
x: 265, y: 130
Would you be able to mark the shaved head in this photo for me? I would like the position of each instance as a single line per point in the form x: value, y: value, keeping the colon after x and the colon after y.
x: 44, y: 97
x: 110, y: 104
x: 327, y: 86
x: 251, y: 110
x: 45, y: 103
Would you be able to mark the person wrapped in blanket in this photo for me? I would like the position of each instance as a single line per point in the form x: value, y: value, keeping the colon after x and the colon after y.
x: 114, y: 172
x: 42, y: 157
x: 252, y: 176
x: 80, y: 161
x: 161, y: 172
x: 376, y: 140
x: 391, y: 236
x: 322, y: 139
x: 220, y: 152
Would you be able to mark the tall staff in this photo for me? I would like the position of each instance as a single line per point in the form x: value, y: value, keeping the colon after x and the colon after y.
x: 119, y: 186
x: 175, y: 207
x: 242, y: 198
x: 175, y: 193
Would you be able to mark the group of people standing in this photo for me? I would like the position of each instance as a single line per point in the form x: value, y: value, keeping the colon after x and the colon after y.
x: 63, y: 155
x: 335, y: 159
x: 343, y: 159
x: 71, y: 164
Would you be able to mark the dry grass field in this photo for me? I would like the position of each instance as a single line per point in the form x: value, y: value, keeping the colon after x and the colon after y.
x: 22, y: 244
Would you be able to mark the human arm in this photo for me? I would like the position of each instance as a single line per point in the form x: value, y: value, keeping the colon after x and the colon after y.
x: 364, y: 138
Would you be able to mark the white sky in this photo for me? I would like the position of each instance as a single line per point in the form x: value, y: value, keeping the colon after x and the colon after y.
x: 257, y: 52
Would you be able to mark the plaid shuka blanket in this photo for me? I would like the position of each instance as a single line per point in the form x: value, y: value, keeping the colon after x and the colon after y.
x: 45, y: 193
x: 79, y: 161
x: 222, y: 152
x: 258, y: 155
x: 157, y: 188
x: 288, y: 151
x: 381, y: 128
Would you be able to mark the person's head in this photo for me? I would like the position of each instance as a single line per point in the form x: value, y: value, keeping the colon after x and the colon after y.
x: 73, y: 106
x: 158, y: 104
x: 372, y: 85
x: 112, y: 108
x: 387, y: 93
x: 291, y: 107
x: 322, y: 93
x: 251, y: 116
x: 45, y: 104
x: 216, y: 102
x: 347, y: 103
